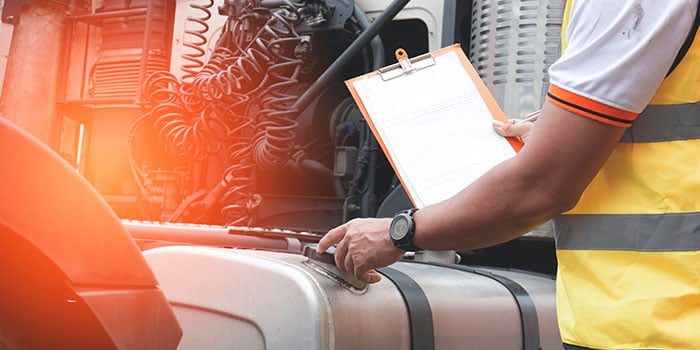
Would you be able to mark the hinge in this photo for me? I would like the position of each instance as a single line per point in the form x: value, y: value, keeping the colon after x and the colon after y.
x: 11, y: 10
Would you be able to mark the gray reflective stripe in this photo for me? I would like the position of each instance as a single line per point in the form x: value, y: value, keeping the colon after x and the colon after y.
x: 658, y: 123
x: 669, y: 232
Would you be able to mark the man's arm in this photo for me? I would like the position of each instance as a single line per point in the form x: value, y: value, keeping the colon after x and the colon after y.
x: 563, y: 153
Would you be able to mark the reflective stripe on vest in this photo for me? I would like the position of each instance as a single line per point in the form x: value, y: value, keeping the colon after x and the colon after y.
x: 642, y: 233
x: 659, y: 123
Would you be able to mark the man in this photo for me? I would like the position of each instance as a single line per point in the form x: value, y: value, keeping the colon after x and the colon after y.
x: 617, y: 150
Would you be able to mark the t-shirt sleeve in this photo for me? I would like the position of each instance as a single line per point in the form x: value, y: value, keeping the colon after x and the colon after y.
x: 617, y: 55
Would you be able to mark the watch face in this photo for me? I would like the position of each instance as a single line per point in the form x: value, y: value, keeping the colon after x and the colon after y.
x: 399, y: 228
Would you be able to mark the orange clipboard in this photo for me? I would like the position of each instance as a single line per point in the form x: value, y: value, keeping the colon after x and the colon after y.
x: 408, y: 100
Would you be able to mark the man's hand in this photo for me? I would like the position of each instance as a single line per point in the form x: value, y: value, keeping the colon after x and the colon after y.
x: 514, y: 128
x: 363, y: 245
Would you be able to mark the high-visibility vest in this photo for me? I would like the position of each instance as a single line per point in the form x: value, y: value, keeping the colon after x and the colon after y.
x: 629, y: 251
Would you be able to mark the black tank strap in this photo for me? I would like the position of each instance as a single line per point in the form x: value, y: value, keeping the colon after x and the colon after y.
x: 419, y: 314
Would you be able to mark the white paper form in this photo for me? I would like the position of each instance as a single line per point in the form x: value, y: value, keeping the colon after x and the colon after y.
x: 436, y: 128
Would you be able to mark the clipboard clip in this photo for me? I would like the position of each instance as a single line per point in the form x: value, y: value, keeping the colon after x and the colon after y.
x: 406, y: 65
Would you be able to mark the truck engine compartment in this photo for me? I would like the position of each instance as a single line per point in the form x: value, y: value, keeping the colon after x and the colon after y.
x: 259, y: 132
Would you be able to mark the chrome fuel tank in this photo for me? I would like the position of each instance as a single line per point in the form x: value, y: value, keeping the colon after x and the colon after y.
x: 248, y: 299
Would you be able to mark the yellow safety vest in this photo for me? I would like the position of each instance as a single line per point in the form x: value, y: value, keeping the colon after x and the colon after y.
x: 629, y: 252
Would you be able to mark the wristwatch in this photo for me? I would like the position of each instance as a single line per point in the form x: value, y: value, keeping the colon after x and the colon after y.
x: 402, y: 229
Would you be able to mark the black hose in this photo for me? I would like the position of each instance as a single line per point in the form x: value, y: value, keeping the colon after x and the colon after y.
x: 332, y: 71
x: 378, y: 58
x: 367, y: 206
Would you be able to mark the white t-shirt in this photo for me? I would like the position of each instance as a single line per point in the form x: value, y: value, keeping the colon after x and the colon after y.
x: 617, y: 54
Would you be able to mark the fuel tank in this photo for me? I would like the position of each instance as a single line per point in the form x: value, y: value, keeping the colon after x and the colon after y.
x: 252, y: 299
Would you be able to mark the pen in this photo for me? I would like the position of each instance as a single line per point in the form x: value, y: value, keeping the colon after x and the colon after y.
x: 530, y: 117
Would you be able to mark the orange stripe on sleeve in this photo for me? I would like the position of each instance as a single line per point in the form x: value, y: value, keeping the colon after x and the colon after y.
x: 589, y: 108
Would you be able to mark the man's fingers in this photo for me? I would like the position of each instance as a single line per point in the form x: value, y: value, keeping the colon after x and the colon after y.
x: 364, y: 270
x: 349, y: 264
x: 332, y: 237
x: 521, y: 128
x: 370, y: 276
x: 361, y: 245
x: 513, y: 128
x: 341, y: 251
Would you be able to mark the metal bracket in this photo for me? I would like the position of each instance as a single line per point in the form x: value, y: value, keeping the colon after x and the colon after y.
x: 11, y: 10
x: 406, y: 65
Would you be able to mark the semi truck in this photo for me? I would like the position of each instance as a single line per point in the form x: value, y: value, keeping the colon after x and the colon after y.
x: 169, y: 165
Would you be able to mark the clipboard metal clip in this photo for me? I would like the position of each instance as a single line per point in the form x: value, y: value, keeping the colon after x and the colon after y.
x: 406, y: 65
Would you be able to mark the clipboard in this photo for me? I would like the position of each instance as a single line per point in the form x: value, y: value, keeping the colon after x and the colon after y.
x: 432, y: 116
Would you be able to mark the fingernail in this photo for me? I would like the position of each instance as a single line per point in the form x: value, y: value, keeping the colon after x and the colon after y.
x: 498, y: 123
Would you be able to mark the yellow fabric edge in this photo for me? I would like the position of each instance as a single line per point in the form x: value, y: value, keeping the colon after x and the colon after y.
x: 565, y: 24
x: 683, y: 85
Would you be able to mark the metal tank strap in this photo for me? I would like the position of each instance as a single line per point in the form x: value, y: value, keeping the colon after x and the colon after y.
x: 526, y: 306
x: 419, y: 314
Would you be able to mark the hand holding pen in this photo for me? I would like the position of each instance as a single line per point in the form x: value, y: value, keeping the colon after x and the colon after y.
x: 516, y: 127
